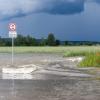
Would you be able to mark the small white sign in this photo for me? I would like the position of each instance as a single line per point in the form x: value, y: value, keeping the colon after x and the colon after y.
x: 12, y: 34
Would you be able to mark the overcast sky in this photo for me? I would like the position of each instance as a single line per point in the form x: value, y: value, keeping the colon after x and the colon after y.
x: 67, y: 19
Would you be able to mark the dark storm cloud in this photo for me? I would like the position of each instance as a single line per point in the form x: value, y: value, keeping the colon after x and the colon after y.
x: 65, y: 7
x: 98, y: 1
x: 18, y: 8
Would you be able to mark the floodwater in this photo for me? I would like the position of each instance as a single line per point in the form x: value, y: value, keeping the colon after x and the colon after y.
x: 56, y: 78
x: 55, y: 89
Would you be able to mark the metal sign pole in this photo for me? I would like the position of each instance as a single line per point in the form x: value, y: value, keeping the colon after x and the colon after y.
x: 12, y: 35
x: 12, y: 50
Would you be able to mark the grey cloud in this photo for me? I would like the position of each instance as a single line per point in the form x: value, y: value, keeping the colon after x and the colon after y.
x: 18, y: 8
x: 65, y: 7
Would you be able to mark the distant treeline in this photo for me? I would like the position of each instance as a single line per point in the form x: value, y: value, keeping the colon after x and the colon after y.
x: 49, y: 41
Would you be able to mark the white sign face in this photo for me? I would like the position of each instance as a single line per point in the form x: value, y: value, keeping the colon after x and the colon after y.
x: 12, y: 27
x: 12, y: 34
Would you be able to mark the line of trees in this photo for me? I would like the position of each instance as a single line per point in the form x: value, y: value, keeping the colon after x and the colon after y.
x: 30, y: 41
x: 49, y: 41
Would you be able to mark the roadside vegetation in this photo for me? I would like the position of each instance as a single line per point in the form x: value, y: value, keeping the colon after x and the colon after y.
x: 91, y: 60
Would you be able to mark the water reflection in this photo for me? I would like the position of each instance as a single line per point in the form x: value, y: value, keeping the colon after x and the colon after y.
x: 16, y: 76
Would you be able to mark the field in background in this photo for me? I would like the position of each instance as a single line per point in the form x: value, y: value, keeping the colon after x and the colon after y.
x: 62, y: 49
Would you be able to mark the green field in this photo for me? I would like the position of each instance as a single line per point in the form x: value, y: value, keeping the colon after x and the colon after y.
x: 62, y: 49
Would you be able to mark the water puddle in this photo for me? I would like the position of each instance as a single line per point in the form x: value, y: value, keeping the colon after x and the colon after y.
x: 16, y: 76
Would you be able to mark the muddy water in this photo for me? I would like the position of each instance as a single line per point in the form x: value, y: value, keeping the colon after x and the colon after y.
x: 55, y: 79
x: 58, y: 89
x: 22, y: 59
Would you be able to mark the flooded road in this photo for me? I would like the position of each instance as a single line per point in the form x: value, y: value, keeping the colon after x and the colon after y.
x: 59, y: 89
x: 56, y: 78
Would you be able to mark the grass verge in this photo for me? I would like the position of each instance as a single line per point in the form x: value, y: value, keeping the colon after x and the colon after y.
x: 91, y: 60
x: 74, y: 54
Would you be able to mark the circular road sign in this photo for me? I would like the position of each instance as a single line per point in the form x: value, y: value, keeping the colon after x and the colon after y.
x: 12, y: 26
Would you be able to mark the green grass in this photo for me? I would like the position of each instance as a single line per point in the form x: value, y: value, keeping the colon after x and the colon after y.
x: 75, y: 53
x: 66, y: 51
x: 91, y: 60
